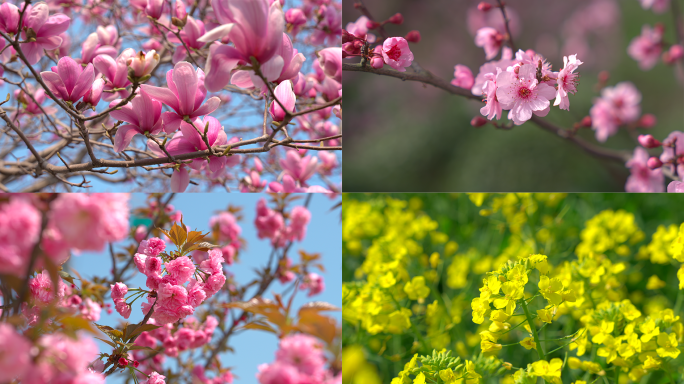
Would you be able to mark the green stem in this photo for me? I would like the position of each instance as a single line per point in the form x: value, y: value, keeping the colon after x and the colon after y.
x: 678, y: 304
x: 534, y: 330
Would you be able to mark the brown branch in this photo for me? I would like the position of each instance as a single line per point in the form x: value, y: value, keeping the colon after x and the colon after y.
x: 506, y: 20
x: 427, y: 78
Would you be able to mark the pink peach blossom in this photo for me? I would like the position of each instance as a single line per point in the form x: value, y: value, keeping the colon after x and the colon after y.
x: 567, y: 81
x: 396, y: 53
x: 617, y: 106
x: 463, y: 77
x: 646, y: 48
x: 490, y: 39
x: 642, y: 178
x: 522, y: 94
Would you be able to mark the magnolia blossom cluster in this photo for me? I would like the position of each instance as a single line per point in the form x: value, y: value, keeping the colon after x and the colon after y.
x: 245, y: 45
x: 172, y: 300
x: 299, y: 359
x: 270, y: 224
x: 192, y: 335
x: 104, y: 217
x: 58, y: 358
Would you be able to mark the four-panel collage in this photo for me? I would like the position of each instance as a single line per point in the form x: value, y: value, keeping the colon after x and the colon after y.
x: 478, y: 237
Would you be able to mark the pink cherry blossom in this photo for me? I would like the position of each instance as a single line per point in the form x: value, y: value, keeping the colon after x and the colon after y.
x: 156, y: 378
x: 567, y: 81
x: 68, y: 80
x: 185, y: 95
x: 119, y: 290
x: 304, y: 353
x: 522, y: 94
x: 396, y: 53
x: 139, y: 260
x: 299, y: 219
x: 43, y: 290
x: 646, y: 48
x: 143, y: 115
x: 314, y: 283
x: 47, y: 30
x: 642, y: 178
x: 490, y: 39
x: 90, y: 310
x: 15, y: 358
x: 278, y: 373
x: 283, y: 92
x: 181, y: 269
x: 103, y: 216
x: 300, y: 168
x: 123, y: 309
x: 227, y: 226
x: 152, y: 247
x: 19, y: 232
x: 269, y: 223
x: 463, y: 77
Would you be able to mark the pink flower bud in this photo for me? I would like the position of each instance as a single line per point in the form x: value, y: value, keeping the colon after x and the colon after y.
x: 370, y: 24
x: 143, y: 64
x: 586, y: 121
x: 376, y: 62
x: 484, y: 7
x: 413, y: 37
x: 603, y: 76
x: 123, y: 362
x: 478, y: 121
x: 647, y: 141
x: 93, y: 95
x: 675, y: 53
x: 397, y: 18
x: 654, y: 163
x: 647, y: 121
x: 154, y: 8
x: 180, y: 9
x: 136, y: 363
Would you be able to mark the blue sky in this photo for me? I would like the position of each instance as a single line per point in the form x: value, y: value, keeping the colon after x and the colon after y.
x: 253, y: 347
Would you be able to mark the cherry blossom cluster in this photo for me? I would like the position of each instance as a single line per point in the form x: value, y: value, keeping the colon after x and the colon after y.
x: 192, y: 335
x: 299, y: 359
x: 103, y: 216
x: 172, y: 300
x: 270, y: 224
x: 59, y: 358
x: 250, y: 49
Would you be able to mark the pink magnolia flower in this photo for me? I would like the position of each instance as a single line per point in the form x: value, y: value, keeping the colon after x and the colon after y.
x: 103, y: 216
x: 658, y: 6
x: 116, y: 73
x: 143, y: 64
x: 9, y: 18
x: 191, y: 32
x: 643, y: 179
x: 94, y: 94
x: 180, y: 179
x: 396, y: 53
x: 300, y: 168
x: 15, y: 357
x: 155, y: 8
x: 227, y: 226
x: 328, y: 162
x: 99, y: 43
x: 19, y: 232
x: 68, y: 80
x: 289, y: 185
x: 30, y: 106
x: 490, y: 39
x: 295, y: 19
x: 522, y: 94
x: 185, y: 95
x: 617, y: 106
x: 143, y: 116
x: 330, y: 60
x: 283, y: 92
x: 181, y: 269
x: 46, y: 29
x: 567, y: 81
x: 463, y: 77
x: 329, y: 26
x: 646, y: 48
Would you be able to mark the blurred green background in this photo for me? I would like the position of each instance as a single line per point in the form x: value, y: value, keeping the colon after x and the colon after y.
x: 406, y: 136
x: 489, y: 239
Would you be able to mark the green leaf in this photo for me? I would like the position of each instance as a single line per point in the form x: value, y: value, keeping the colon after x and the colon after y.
x: 107, y: 341
x: 141, y: 329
